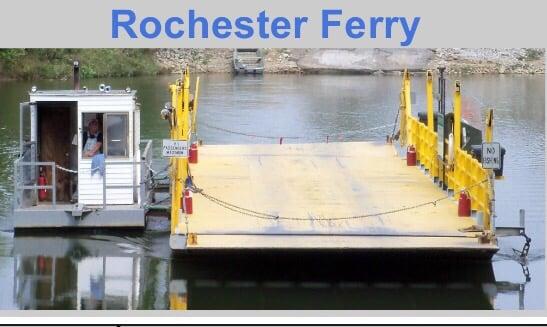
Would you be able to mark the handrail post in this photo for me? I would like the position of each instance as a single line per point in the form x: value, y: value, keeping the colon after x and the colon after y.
x: 54, y: 185
x: 104, y: 185
x: 21, y: 127
x: 429, y: 96
x: 33, y: 136
x: 16, y: 183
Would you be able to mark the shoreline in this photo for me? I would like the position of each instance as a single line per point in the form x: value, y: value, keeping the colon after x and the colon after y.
x: 363, y: 61
x: 27, y: 65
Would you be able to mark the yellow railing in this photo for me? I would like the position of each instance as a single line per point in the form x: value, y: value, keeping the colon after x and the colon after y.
x: 465, y: 172
x: 421, y: 136
x: 425, y: 142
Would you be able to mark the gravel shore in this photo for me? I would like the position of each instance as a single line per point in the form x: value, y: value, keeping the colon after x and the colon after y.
x: 364, y: 61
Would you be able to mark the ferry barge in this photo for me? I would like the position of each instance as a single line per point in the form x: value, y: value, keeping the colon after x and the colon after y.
x: 423, y: 190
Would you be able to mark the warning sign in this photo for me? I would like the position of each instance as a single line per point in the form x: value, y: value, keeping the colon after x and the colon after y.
x: 174, y: 148
x: 491, y: 155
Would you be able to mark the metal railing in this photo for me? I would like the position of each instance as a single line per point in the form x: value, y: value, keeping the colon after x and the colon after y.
x: 21, y: 187
x: 460, y: 174
x: 26, y: 180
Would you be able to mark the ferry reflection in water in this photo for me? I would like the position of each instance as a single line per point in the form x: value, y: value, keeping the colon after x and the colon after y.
x: 139, y: 273
x: 92, y: 283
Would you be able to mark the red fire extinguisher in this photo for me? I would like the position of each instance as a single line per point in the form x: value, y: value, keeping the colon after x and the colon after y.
x: 42, y: 181
x: 464, y: 205
x: 187, y: 202
x: 411, y: 156
x: 41, y: 263
x: 193, y: 153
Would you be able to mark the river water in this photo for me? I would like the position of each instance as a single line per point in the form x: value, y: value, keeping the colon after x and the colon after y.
x: 136, y: 270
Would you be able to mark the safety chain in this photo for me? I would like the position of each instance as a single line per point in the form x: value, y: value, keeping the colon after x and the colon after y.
x: 267, y: 216
x: 147, y: 166
x: 66, y: 169
x: 248, y: 134
x: 70, y: 171
x: 281, y: 138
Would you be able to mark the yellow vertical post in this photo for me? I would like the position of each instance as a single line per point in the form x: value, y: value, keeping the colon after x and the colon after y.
x: 186, y: 106
x: 489, y: 137
x: 429, y: 98
x: 408, y: 102
x: 180, y: 92
x: 408, y: 107
x: 402, y: 114
x: 457, y: 117
x: 195, y: 107
x: 175, y: 202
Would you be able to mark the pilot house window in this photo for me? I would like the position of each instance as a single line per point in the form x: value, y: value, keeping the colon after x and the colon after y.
x: 117, y: 144
x: 109, y: 130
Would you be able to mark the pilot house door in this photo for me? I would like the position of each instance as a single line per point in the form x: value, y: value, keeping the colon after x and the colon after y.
x: 55, y: 142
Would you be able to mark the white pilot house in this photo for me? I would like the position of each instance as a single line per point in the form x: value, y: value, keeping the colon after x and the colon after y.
x: 81, y: 162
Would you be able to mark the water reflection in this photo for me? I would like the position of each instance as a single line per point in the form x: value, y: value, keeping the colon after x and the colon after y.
x: 105, y: 272
x: 62, y: 283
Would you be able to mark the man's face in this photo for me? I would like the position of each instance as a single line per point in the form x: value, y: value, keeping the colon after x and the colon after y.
x: 93, y: 128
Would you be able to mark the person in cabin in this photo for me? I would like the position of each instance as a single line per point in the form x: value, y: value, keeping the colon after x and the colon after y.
x: 93, y: 147
x: 92, y: 140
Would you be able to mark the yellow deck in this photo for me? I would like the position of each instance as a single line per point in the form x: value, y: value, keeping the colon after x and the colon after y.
x: 320, y: 180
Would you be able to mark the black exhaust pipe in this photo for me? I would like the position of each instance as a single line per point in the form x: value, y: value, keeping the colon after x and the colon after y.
x: 76, y: 75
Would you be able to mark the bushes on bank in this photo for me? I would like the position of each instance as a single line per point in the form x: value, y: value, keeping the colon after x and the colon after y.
x: 29, y: 64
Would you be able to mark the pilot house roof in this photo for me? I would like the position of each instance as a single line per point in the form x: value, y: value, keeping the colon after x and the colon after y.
x: 79, y: 93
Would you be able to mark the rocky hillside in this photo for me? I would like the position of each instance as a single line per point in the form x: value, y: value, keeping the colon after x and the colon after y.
x: 486, y: 61
x: 364, y: 61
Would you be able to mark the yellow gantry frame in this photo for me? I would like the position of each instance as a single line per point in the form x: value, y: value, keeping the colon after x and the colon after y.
x: 466, y: 171
x: 181, y: 125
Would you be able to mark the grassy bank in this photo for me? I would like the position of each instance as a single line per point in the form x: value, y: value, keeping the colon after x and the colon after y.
x: 29, y: 64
